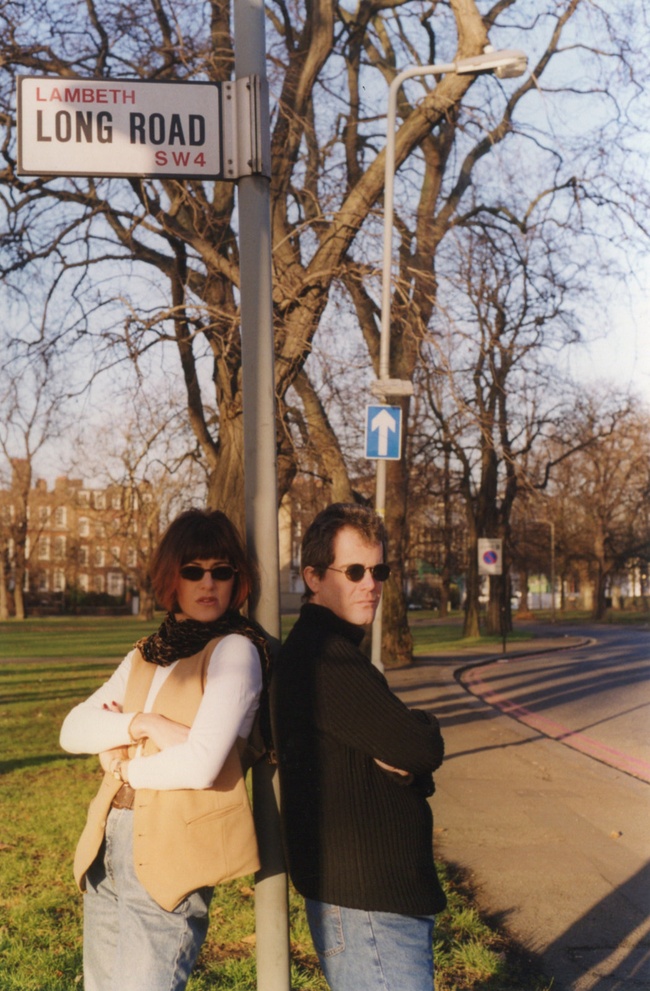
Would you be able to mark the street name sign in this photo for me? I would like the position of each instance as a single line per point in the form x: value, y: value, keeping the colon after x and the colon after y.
x: 139, y: 128
x: 384, y: 432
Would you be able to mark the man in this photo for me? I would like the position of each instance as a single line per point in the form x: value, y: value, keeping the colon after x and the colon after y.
x: 355, y: 772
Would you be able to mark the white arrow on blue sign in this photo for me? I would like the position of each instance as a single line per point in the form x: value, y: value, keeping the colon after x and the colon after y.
x: 384, y: 432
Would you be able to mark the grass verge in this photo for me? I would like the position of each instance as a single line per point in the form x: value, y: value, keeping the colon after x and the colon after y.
x: 43, y: 802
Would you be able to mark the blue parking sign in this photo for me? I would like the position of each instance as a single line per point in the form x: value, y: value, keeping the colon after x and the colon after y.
x: 384, y: 432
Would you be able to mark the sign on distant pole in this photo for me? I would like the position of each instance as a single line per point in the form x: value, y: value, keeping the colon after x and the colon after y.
x: 139, y: 128
x: 490, y: 556
x: 384, y: 432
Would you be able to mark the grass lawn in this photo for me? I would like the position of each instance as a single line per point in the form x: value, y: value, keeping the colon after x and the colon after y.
x: 43, y: 800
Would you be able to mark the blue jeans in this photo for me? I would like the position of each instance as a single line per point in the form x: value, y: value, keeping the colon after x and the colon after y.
x: 372, y: 951
x: 130, y: 942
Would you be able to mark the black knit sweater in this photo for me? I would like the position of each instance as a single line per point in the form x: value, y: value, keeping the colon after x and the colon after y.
x: 354, y: 836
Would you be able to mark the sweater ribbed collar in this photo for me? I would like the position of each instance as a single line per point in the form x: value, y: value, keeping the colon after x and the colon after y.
x: 328, y: 620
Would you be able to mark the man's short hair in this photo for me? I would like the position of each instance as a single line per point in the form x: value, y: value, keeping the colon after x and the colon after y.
x: 317, y: 550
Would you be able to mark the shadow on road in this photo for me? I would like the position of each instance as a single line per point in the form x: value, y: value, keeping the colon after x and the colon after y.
x: 621, y: 958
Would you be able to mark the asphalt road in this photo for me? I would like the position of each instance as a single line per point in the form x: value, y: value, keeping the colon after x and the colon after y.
x: 555, y: 840
x: 595, y: 698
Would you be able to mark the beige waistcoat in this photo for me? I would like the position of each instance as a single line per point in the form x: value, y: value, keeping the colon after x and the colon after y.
x: 184, y: 839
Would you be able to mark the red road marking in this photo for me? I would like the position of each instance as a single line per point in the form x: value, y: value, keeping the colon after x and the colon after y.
x: 635, y: 766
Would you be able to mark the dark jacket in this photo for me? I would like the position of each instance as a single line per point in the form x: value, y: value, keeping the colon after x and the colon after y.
x: 354, y: 835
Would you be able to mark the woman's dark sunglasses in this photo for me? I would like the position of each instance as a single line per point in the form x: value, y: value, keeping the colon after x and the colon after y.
x: 355, y: 572
x: 220, y: 572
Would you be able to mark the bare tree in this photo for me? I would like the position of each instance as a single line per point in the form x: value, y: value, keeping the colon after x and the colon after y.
x: 32, y: 415
x: 599, y: 496
x: 488, y: 379
x: 140, y: 264
x: 150, y: 465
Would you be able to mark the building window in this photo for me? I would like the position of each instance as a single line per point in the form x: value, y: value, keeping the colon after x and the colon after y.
x: 58, y: 581
x: 43, y: 514
x: 100, y: 557
x: 60, y: 516
x: 44, y: 549
x: 43, y: 583
x: 84, y: 557
x: 84, y: 584
x: 115, y: 583
x: 100, y: 500
x: 116, y: 501
x: 131, y: 557
x: 98, y: 584
x: 59, y: 548
x: 115, y: 554
x: 84, y: 527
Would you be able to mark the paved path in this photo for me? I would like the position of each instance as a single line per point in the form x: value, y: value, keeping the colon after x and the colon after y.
x: 557, y: 844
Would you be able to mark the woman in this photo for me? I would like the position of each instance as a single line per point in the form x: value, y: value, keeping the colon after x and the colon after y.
x: 171, y: 818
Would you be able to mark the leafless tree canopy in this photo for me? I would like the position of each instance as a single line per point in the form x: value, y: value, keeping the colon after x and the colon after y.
x: 544, y: 170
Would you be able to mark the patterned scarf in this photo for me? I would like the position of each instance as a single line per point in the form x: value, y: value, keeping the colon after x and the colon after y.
x: 175, y: 640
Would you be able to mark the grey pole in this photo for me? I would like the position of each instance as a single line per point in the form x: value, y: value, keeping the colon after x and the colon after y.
x: 505, y: 63
x: 260, y: 467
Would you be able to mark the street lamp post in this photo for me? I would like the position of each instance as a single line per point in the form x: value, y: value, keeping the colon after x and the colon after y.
x: 504, y: 64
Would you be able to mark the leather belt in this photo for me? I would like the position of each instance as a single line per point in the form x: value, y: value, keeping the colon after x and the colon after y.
x: 124, y: 798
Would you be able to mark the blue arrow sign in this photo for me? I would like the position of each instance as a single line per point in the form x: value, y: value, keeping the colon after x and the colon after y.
x: 384, y: 432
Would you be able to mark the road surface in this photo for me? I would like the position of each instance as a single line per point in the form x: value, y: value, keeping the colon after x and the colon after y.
x: 556, y: 841
x: 595, y: 698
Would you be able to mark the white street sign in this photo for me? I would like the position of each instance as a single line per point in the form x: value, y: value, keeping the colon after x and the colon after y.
x: 384, y: 432
x: 490, y: 556
x: 118, y: 127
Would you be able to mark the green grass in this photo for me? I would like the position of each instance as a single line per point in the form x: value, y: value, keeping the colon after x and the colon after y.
x: 92, y: 637
x: 111, y: 637
x: 43, y: 801
x: 441, y: 637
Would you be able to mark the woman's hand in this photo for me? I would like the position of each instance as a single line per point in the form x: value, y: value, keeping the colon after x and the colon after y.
x: 108, y: 757
x: 160, y: 730
x: 113, y: 707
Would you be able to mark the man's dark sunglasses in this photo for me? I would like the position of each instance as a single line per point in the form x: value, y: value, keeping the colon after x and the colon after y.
x: 355, y: 572
x: 220, y: 572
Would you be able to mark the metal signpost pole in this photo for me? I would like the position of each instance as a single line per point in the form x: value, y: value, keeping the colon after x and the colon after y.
x: 118, y: 146
x: 271, y: 905
x: 504, y: 64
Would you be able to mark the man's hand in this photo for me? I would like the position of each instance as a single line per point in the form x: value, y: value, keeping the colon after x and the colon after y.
x: 401, y: 777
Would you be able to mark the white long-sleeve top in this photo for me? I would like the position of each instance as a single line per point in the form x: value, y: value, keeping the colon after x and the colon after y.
x: 227, y: 710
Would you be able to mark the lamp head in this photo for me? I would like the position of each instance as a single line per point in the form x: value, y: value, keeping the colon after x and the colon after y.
x: 505, y: 64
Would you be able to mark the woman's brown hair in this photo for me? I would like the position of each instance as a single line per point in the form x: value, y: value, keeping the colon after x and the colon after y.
x: 199, y: 535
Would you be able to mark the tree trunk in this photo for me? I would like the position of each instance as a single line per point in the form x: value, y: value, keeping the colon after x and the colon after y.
x: 471, y: 625
x: 600, y: 605
x: 147, y: 603
x: 397, y: 640
x: 4, y: 602
x: 20, y: 570
x: 226, y: 475
x: 19, y: 601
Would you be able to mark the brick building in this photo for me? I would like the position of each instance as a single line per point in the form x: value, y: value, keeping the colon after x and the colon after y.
x: 81, y: 542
